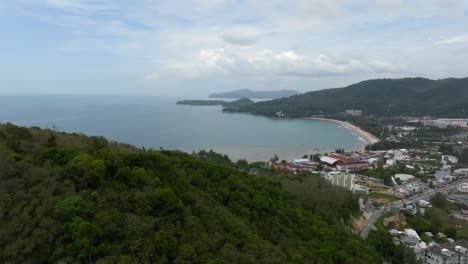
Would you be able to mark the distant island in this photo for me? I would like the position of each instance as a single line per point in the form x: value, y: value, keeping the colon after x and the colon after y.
x: 246, y: 93
x: 382, y: 98
x: 234, y: 105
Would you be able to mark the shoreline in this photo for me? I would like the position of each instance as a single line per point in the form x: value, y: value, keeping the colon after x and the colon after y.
x: 367, y: 136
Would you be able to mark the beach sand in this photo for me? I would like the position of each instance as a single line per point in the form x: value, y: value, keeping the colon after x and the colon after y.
x: 368, y: 137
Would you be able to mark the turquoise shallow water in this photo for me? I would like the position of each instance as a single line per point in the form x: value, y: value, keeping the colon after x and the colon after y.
x: 155, y: 122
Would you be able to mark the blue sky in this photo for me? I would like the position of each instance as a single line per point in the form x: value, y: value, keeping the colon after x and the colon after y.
x: 200, y: 46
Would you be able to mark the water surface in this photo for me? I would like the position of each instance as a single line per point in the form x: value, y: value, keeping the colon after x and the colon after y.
x: 155, y: 122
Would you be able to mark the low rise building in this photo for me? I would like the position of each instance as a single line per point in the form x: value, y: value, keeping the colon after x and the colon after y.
x: 463, y: 187
x: 449, y: 159
x: 448, y: 253
x: 404, y: 177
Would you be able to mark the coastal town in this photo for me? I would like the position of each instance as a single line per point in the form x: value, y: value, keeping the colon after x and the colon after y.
x: 400, y: 188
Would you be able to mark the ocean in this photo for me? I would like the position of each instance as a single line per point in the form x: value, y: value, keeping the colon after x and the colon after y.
x: 157, y: 122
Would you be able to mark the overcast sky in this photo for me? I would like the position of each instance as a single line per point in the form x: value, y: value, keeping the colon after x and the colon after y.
x: 202, y: 46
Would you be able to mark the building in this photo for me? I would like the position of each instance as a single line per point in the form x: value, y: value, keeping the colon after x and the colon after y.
x: 345, y: 163
x: 341, y: 179
x: 329, y: 161
x: 448, y: 253
x: 404, y: 177
x: 354, y: 112
x: 463, y: 187
x: 449, y: 159
x: 354, y: 167
x: 463, y: 172
x: 304, y: 163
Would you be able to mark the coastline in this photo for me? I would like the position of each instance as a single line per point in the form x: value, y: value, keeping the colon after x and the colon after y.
x: 368, y: 137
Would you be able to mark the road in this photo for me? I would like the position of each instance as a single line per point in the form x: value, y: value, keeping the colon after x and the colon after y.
x: 422, y: 196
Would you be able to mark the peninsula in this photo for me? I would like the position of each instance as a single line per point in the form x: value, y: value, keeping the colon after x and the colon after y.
x: 246, y: 93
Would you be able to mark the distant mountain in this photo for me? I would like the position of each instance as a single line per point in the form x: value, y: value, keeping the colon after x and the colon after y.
x: 381, y: 97
x: 228, y: 106
x: 234, y: 104
x: 246, y: 93
x: 201, y: 102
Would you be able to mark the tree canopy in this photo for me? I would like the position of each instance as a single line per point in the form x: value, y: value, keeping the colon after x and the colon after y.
x: 87, y: 200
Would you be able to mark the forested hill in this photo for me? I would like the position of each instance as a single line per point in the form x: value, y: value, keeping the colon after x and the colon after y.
x: 246, y: 93
x: 67, y: 198
x: 382, y: 97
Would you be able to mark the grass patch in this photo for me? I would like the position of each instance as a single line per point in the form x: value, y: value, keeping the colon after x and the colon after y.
x: 383, y: 196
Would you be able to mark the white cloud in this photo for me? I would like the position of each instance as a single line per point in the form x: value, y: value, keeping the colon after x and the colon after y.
x: 154, y: 76
x: 268, y: 63
x: 209, y: 61
x: 454, y: 40
x: 262, y: 40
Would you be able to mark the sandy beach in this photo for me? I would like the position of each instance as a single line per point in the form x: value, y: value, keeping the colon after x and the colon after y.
x: 368, y: 137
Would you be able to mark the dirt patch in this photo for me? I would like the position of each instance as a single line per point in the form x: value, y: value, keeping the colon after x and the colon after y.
x: 358, y: 223
x: 395, y: 221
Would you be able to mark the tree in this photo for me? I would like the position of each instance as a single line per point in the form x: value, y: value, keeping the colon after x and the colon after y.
x: 439, y: 200
x: 51, y: 141
x: 451, y: 232
x: 165, y: 245
x: 71, y: 207
x: 274, y: 159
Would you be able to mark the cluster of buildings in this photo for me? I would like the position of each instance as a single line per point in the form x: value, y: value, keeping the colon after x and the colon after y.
x: 408, y: 185
x: 445, y: 122
x: 454, y: 252
x: 416, y: 207
x: 411, y: 239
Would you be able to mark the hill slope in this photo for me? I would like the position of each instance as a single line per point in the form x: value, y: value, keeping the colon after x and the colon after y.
x: 383, y: 97
x: 67, y: 198
x: 246, y: 93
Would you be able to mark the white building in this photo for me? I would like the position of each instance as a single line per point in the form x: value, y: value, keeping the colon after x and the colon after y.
x: 463, y: 187
x: 448, y: 253
x: 461, y: 172
x: 341, y: 179
x: 400, y: 154
x: 390, y: 162
x: 404, y: 177
x: 411, y: 233
x: 423, y: 203
x: 449, y: 159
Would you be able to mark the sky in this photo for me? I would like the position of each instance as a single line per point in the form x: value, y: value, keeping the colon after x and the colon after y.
x: 196, y: 47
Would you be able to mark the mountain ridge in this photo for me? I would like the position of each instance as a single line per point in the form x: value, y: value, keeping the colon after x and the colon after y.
x: 378, y: 97
x: 247, y: 93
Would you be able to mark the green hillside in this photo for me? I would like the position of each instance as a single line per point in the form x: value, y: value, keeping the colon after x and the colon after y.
x: 246, y: 93
x: 68, y: 198
x: 383, y: 97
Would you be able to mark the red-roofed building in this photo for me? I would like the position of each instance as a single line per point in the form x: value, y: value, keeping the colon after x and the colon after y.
x: 344, y: 160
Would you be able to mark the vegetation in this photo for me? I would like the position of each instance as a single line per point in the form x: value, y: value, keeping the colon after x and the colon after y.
x: 67, y: 198
x: 383, y: 97
x: 437, y: 219
x: 246, y: 93
x: 234, y: 104
x: 383, y: 242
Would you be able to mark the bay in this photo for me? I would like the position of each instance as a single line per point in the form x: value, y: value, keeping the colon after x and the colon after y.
x: 157, y: 122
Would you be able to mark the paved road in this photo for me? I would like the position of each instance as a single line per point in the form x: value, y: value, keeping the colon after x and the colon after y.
x: 422, y: 196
